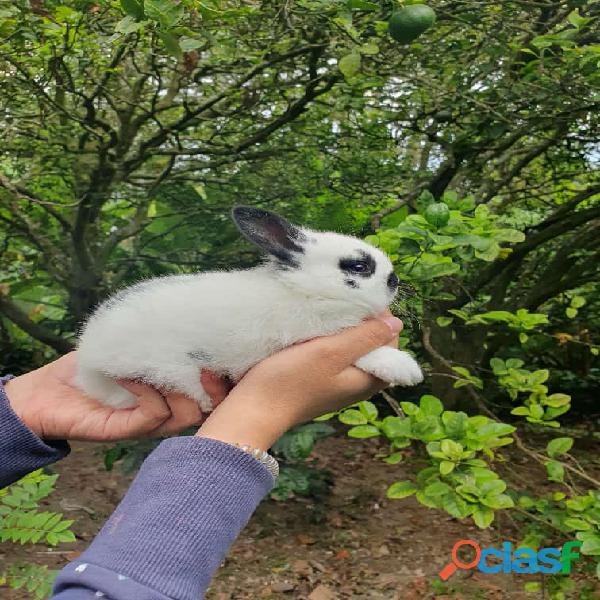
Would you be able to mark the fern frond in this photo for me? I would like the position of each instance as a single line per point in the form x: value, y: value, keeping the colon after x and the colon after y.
x: 31, y: 526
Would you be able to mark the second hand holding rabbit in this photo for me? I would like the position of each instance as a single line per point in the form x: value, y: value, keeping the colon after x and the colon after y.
x: 164, y: 330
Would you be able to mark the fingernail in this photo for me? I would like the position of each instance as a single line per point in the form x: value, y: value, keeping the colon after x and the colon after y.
x: 394, y: 323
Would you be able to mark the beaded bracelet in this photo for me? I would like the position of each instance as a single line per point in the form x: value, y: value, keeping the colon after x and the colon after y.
x: 263, y: 457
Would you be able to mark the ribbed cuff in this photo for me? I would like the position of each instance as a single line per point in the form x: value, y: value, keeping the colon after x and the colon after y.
x: 188, y: 503
x: 21, y: 450
x: 82, y: 580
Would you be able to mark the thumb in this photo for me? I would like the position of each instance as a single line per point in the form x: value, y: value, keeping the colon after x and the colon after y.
x: 150, y: 412
x: 357, y: 341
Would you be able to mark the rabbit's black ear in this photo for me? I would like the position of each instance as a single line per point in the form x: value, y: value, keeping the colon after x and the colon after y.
x: 270, y: 232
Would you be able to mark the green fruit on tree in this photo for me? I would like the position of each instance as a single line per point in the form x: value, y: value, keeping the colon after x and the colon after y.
x: 408, y: 23
x: 437, y: 214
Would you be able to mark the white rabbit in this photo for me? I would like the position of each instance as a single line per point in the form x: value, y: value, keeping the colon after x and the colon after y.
x: 163, y: 331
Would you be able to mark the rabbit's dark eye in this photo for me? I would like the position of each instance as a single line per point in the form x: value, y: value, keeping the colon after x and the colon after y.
x: 364, y: 267
x: 358, y: 266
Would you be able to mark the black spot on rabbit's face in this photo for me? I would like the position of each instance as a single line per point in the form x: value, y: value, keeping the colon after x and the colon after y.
x: 392, y: 281
x: 351, y: 283
x: 364, y: 266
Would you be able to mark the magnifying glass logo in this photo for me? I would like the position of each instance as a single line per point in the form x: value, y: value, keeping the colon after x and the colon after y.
x: 451, y: 567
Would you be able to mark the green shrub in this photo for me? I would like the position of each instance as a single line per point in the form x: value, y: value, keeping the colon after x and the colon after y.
x: 21, y: 522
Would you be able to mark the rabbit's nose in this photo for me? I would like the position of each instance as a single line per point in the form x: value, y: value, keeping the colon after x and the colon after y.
x: 393, y: 281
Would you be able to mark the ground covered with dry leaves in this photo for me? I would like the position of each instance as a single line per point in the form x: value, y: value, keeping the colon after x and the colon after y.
x: 355, y: 544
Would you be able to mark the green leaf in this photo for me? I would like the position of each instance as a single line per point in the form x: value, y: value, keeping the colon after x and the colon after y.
x: 497, y: 315
x: 133, y: 8
x: 352, y: 416
x: 427, y: 429
x: 555, y: 470
x: 493, y: 487
x: 362, y: 5
x: 301, y: 444
x: 394, y: 458
x: 65, y: 536
x: 497, y: 501
x: 498, y: 366
x: 559, y: 446
x: 571, y: 312
x: 526, y: 502
x: 444, y: 321
x: 536, y: 411
x: 171, y: 43
x: 483, y: 517
x: 591, y: 544
x: 187, y: 44
x: 166, y: 12
x: 454, y: 505
x: 451, y: 449
x: 409, y: 408
x: 577, y: 20
x: 395, y: 427
x: 462, y: 371
x: 470, y: 492
x: 438, y: 488
x: 429, y: 501
x: 577, y: 524
x: 446, y: 467
x: 551, y: 412
x: 368, y: 409
x: 489, y: 255
x: 557, y: 400
x: 370, y: 49
x: 128, y: 25
x: 349, y: 65
x: 494, y: 430
x: 400, y: 442
x: 401, y: 489
x: 578, y: 301
x: 363, y: 431
x: 325, y: 417
x: 509, y: 235
x: 454, y: 423
x: 520, y: 410
x: 430, y: 405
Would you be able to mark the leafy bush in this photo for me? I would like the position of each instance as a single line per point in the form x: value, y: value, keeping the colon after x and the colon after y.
x: 297, y: 478
x: 438, y: 256
x: 36, y: 579
x: 21, y: 522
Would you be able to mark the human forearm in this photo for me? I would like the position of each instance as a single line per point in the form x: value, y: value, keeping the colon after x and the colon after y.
x: 188, y: 503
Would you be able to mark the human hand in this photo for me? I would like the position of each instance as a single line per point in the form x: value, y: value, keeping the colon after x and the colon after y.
x: 299, y: 383
x: 50, y: 404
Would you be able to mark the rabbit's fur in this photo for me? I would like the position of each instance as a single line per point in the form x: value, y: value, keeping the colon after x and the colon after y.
x: 163, y: 331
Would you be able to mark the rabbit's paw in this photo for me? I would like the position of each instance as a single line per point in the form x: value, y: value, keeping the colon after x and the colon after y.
x: 391, y: 365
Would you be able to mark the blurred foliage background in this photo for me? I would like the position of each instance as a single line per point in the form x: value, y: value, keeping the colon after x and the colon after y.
x: 130, y: 129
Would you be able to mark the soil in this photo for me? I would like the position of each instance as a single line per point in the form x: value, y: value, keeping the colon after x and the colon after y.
x: 354, y: 544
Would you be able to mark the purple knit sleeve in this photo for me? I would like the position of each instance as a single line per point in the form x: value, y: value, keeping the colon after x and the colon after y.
x: 21, y: 451
x: 188, y: 503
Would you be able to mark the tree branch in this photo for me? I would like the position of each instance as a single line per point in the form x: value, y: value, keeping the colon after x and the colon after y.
x: 12, y: 312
